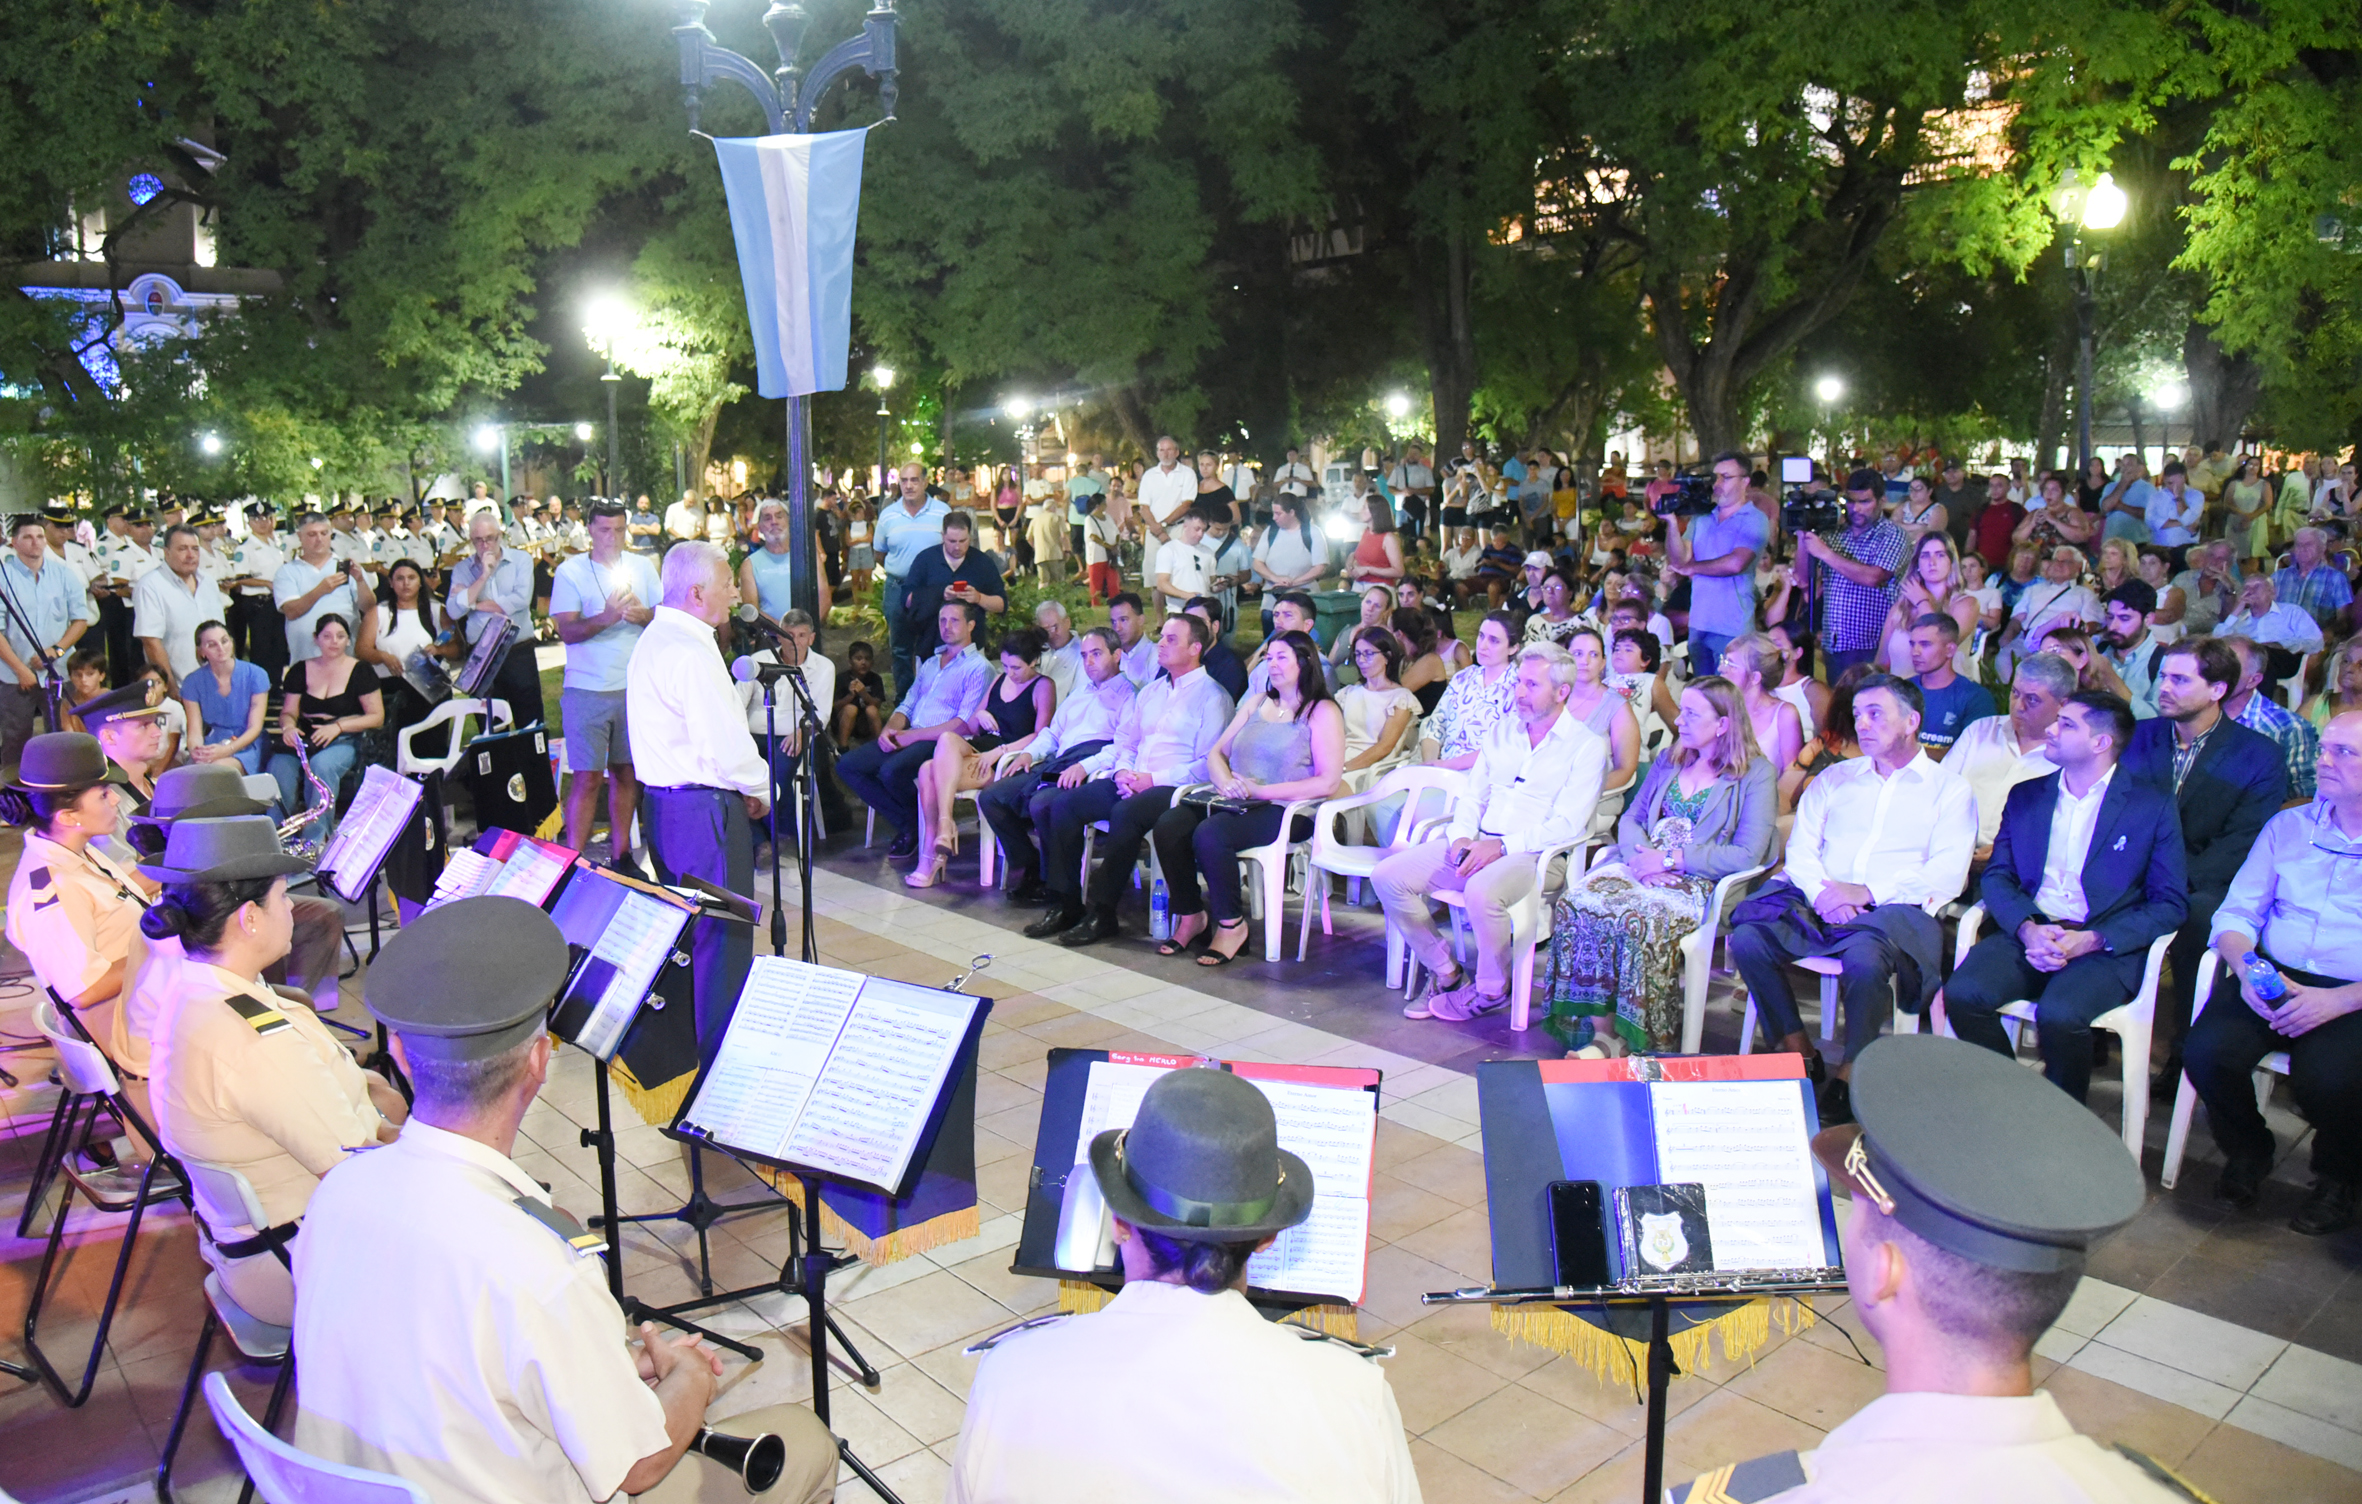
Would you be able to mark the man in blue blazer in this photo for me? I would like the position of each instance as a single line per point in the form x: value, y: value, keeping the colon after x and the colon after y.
x: 2087, y: 870
x: 2225, y: 781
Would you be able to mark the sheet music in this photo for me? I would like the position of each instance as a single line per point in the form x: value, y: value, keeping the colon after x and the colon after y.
x: 874, y: 1097
x: 531, y: 873
x: 1325, y: 1254
x: 788, y: 1020
x: 1746, y: 1142
x: 1335, y: 1131
x: 381, y: 809
x: 1112, y: 1100
x: 636, y: 941
x: 467, y: 873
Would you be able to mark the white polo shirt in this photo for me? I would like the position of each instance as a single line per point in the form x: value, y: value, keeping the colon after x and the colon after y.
x: 170, y: 610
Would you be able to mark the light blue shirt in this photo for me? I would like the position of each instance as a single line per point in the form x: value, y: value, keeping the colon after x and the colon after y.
x: 2299, y: 895
x: 2172, y: 525
x: 901, y: 538
x: 1168, y: 730
x: 1724, y: 605
x: 947, y: 691
x: 771, y: 581
x: 294, y: 581
x: 52, y: 601
x: 512, y: 587
x: 582, y: 586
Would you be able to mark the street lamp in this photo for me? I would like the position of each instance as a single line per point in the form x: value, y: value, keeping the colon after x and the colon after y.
x: 583, y: 432
x: 1829, y: 388
x: 609, y: 319
x: 884, y: 377
x: 2099, y: 206
x: 211, y: 443
x: 495, y: 436
x: 787, y: 97
x: 2168, y: 395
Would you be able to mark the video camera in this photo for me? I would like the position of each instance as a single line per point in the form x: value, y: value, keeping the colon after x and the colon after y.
x: 1692, y: 496
x: 1807, y: 505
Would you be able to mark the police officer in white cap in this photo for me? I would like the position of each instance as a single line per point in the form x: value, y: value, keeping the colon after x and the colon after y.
x: 495, y: 1370
x: 1977, y: 1187
x: 1179, y: 1390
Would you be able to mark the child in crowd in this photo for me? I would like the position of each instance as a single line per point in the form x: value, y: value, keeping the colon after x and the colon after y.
x: 1499, y: 567
x: 861, y: 697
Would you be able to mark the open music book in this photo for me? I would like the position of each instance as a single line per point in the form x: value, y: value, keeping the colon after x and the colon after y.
x: 1327, y: 1115
x: 380, y: 811
x: 629, y: 929
x: 504, y: 864
x: 831, y: 1070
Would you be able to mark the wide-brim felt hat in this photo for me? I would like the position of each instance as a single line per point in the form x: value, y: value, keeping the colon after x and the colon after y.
x: 237, y: 849
x: 1202, y: 1162
x: 62, y: 762
x: 201, y: 791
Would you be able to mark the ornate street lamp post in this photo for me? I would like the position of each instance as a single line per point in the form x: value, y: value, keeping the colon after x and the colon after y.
x: 2080, y: 207
x: 787, y: 96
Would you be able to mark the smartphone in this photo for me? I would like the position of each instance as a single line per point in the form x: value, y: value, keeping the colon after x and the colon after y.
x: 1578, y: 1233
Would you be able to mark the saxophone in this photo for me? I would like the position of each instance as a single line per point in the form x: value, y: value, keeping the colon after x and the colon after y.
x: 306, y: 848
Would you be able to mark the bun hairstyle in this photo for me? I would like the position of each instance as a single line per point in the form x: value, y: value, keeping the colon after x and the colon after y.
x: 23, y: 807
x: 197, y: 914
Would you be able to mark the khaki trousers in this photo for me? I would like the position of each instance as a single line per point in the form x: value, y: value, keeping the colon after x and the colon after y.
x: 1406, y: 879
x: 810, y: 1476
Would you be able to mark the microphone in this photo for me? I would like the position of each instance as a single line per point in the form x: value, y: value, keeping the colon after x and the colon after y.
x: 753, y: 616
x: 746, y: 671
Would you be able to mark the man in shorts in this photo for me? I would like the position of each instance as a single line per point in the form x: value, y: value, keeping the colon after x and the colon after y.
x: 599, y: 602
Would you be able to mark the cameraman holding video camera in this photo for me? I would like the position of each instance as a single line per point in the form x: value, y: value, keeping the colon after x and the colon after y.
x: 1717, y: 552
x: 1857, y: 573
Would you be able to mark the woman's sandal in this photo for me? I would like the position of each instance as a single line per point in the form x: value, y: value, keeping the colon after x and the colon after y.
x: 1180, y: 945
x: 1214, y: 957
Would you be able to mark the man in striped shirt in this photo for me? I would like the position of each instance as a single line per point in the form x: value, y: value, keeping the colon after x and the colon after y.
x: 2247, y: 705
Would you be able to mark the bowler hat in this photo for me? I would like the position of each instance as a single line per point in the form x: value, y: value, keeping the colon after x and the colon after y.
x: 236, y: 849
x: 62, y: 762
x: 201, y: 791
x: 1202, y: 1162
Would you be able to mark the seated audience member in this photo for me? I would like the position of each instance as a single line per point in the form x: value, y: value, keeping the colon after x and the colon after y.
x: 1602, y: 709
x: 1129, y: 617
x: 1796, y: 684
x: 2308, y: 582
x: 1377, y: 604
x: 1033, y: 768
x: 243, y: 1076
x: 2294, y: 904
x: 2299, y: 743
x: 1378, y: 712
x: 2340, y: 676
x: 1708, y: 808
x: 1497, y: 569
x: 1425, y: 673
x: 1460, y: 564
x: 2209, y: 587
x: 1291, y: 611
x: 1160, y: 748
x: 947, y: 692
x: 225, y: 702
x: 1057, y: 1412
x: 2132, y: 648
x: 1880, y: 842
x: 2059, y: 599
x: 1636, y: 671
x: 2225, y: 781
x: 1956, y: 1272
x: 1019, y: 704
x: 1751, y: 661
x: 2087, y: 870
x: 1998, y: 752
x: 1062, y: 651
x: 526, y: 1388
x: 1478, y: 697
x: 326, y: 701
x: 1535, y: 785
x: 1285, y: 744
x: 1222, y: 662
x: 860, y: 698
x: 1952, y: 702
x: 2286, y: 630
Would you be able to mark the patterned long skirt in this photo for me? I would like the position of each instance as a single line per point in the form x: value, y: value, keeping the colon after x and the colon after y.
x: 1615, y: 953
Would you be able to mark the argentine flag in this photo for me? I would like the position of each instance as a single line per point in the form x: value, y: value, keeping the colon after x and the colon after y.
x: 794, y: 201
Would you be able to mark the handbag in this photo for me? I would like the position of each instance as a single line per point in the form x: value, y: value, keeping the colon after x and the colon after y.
x: 1207, y: 800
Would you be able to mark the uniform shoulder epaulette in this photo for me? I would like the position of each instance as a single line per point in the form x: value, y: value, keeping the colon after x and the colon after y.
x: 1743, y: 1482
x: 987, y: 1344
x: 2163, y: 1476
x: 582, y: 1240
x: 262, y: 1017
x: 1359, y: 1349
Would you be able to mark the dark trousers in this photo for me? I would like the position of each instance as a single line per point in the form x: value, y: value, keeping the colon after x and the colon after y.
x: 2325, y: 1072
x: 2065, y: 1003
x: 888, y: 782
x: 1008, y: 805
x: 1062, y: 815
x: 1867, y: 950
x: 262, y: 632
x: 701, y: 832
x: 1193, y: 847
x: 519, y: 683
x: 2187, y: 951
x: 19, y: 709
x: 900, y: 640
x: 124, y: 662
x: 1838, y: 663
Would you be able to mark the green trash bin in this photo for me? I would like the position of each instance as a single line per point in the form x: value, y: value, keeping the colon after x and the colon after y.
x: 1334, y: 611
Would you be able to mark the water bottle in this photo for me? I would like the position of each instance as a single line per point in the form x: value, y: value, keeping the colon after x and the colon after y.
x: 1160, y: 913
x: 2264, y: 977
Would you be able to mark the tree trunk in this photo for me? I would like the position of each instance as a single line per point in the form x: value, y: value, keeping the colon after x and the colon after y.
x: 2224, y: 388
x: 701, y: 448
x: 2050, y: 422
x: 1440, y: 276
x: 1132, y: 413
x: 2140, y: 432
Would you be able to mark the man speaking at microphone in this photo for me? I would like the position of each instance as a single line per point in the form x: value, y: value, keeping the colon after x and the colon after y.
x: 701, y: 778
x: 600, y: 602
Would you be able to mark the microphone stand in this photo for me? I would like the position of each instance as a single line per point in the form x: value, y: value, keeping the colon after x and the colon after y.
x: 52, y: 682
x: 807, y: 783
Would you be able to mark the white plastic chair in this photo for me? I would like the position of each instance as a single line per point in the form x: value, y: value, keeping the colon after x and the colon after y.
x: 2185, y: 1100
x: 1332, y: 855
x: 1828, y: 969
x: 2133, y: 1023
x: 454, y: 713
x: 1267, y: 893
x: 1529, y: 927
x: 225, y: 1198
x: 988, y: 845
x: 284, y: 1475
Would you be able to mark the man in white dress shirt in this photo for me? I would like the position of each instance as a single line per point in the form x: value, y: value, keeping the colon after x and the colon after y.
x: 1998, y: 752
x: 506, y: 1378
x: 1168, y: 489
x: 1062, y: 657
x: 2287, y: 633
x: 1880, y: 843
x: 1128, y: 615
x: 600, y: 602
x: 1159, y: 747
x: 702, y: 779
x: 1184, y: 564
x: 1535, y: 785
x: 169, y: 604
x: 1016, y: 803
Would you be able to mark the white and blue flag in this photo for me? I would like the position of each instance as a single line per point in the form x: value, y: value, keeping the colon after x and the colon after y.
x: 794, y: 201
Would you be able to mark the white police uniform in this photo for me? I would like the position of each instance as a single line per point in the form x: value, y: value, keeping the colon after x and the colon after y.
x: 1962, y: 1449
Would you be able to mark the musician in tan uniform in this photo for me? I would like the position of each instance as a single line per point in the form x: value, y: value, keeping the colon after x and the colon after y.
x: 245, y: 1077
x: 500, y: 1373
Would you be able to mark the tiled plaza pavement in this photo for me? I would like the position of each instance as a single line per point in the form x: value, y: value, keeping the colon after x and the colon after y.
x: 2156, y: 1351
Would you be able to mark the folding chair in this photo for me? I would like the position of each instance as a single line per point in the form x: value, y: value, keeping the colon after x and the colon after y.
x: 287, y: 1476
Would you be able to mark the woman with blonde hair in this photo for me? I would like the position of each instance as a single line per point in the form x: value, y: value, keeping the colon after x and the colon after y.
x: 1932, y: 583
x: 1754, y: 664
x: 2119, y: 561
x: 1706, y: 809
x: 2341, y: 684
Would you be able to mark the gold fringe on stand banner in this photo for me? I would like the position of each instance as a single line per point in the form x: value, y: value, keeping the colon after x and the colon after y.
x: 658, y: 1104
x: 1081, y: 1297
x: 1614, y: 1360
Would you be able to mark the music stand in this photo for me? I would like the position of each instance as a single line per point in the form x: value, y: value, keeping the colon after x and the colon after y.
x: 1545, y: 1121
x: 955, y: 1091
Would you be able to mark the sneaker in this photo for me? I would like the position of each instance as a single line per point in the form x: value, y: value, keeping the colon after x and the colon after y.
x: 1461, y: 1004
x: 1421, y: 1006
x: 2329, y: 1209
